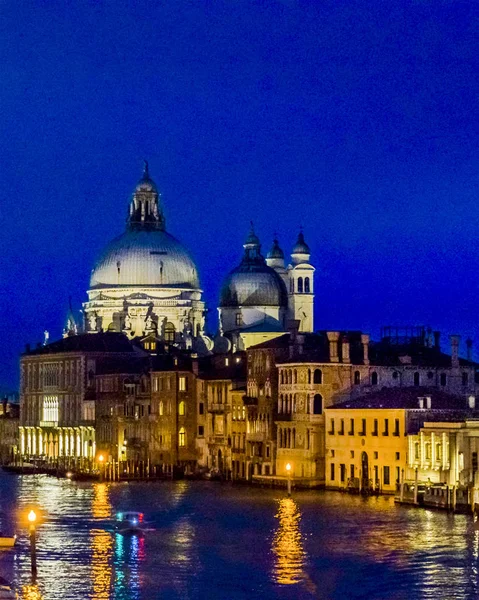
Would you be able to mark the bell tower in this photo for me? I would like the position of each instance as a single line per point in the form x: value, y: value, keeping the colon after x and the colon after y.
x: 301, y: 286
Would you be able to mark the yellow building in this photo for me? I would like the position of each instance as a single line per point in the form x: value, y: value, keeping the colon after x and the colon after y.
x: 367, y: 443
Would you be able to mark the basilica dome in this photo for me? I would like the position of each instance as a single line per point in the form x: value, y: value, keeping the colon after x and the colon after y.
x: 145, y: 257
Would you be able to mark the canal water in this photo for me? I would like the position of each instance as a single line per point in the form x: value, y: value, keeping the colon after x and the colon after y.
x: 208, y: 540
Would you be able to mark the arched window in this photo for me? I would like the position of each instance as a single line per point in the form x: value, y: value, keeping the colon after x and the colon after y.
x: 281, y: 377
x: 465, y: 379
x: 290, y: 376
x: 300, y: 285
x: 169, y: 332
x: 443, y: 379
x: 309, y: 375
x: 318, y: 376
x: 306, y: 285
x: 294, y: 438
x: 318, y: 404
x: 374, y: 378
x: 291, y: 286
x: 295, y: 376
x: 182, y: 437
x: 357, y: 377
x: 181, y: 408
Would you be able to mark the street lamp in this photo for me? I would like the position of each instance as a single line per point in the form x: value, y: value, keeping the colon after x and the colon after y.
x: 101, y: 458
x: 32, y: 517
x: 288, y: 470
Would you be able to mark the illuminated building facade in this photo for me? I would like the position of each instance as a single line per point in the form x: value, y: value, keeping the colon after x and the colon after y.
x: 377, y: 441
x: 58, y: 394
x: 325, y: 369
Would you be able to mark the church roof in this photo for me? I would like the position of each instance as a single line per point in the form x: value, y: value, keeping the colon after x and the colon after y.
x: 99, y: 342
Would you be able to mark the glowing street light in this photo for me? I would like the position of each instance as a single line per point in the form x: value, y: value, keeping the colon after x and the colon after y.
x: 32, y: 517
x: 101, y: 458
x: 288, y: 470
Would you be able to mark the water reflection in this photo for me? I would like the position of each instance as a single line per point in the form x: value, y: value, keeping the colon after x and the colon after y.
x: 31, y: 592
x: 101, y: 543
x: 288, y: 545
x: 101, y: 505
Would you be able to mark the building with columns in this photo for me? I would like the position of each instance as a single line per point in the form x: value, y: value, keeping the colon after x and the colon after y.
x: 58, y: 394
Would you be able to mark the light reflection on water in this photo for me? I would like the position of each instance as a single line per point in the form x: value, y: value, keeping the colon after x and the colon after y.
x: 208, y: 540
x: 287, y: 544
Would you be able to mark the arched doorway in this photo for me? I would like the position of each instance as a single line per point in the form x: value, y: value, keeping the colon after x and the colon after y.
x: 364, y: 471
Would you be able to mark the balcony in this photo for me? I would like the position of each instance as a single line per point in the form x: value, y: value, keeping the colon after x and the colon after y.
x: 215, y: 407
x: 216, y: 439
x: 284, y: 417
x: 48, y: 423
x: 259, y: 436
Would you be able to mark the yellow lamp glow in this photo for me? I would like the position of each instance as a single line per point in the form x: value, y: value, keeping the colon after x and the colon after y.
x: 288, y: 467
x: 101, y: 458
x: 32, y: 516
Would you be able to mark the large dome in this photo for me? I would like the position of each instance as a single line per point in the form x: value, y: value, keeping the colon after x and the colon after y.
x: 253, y: 285
x: 145, y: 258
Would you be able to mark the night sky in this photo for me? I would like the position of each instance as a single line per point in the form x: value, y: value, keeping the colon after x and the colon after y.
x: 358, y: 120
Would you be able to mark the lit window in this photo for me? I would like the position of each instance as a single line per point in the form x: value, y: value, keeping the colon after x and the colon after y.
x: 182, y: 384
x: 181, y: 408
x: 169, y: 332
x: 160, y: 408
x: 182, y: 437
x: 239, y: 319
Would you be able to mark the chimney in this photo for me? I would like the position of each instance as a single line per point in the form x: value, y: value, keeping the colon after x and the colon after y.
x: 437, y: 340
x: 455, y: 339
x: 472, y: 402
x: 345, y: 349
x: 469, y: 349
x: 421, y: 402
x: 333, y: 338
x: 365, y: 343
x: 293, y: 328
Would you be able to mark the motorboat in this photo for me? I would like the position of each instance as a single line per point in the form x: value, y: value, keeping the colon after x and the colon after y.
x: 6, y: 590
x: 7, y: 541
x: 130, y: 523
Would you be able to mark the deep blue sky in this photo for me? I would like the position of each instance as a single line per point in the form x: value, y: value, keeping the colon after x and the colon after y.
x: 358, y: 120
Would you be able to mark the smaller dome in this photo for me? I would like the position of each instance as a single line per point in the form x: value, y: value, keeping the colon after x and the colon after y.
x: 254, y: 285
x: 301, y: 247
x: 275, y: 251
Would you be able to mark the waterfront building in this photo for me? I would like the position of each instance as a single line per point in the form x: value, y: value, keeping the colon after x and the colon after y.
x: 328, y: 368
x: 447, y: 451
x: 369, y: 439
x: 58, y: 392
x: 9, y: 420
